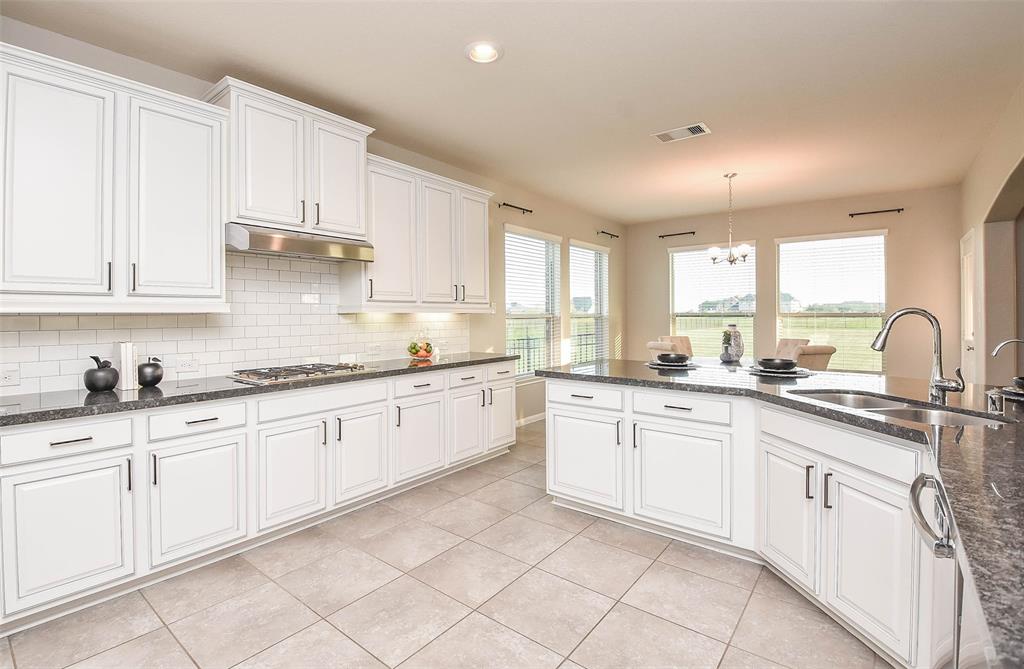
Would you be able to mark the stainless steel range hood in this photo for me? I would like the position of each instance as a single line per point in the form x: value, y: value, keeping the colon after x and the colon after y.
x: 254, y: 239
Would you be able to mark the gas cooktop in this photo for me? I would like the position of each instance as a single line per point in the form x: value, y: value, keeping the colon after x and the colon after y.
x: 262, y: 376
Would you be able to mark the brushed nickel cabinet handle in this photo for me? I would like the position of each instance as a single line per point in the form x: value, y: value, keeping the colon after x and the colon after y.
x: 399, y: 423
x: 826, y: 504
x: 420, y: 385
x: 202, y: 420
x: 463, y: 292
x: 483, y: 397
x: 110, y: 275
x: 134, y: 278
x: 129, y: 474
x: 466, y: 378
x: 455, y: 286
x: 807, y: 482
x: 672, y: 406
x: 154, y: 468
x: 634, y: 434
x: 324, y: 440
x: 338, y: 439
x: 302, y: 203
x: 371, y: 290
x: 504, y: 371
x: 618, y: 432
x: 68, y: 442
x: 316, y: 205
x: 491, y: 402
x: 582, y: 397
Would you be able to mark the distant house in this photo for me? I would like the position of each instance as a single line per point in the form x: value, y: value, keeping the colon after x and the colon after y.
x: 789, y: 304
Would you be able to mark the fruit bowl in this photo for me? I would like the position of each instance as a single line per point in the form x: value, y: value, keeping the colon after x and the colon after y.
x: 420, y: 350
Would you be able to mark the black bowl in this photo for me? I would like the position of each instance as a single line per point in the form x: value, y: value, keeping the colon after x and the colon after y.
x: 1018, y: 381
x: 677, y: 358
x: 776, y: 364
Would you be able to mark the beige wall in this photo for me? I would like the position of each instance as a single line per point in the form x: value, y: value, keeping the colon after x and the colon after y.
x: 921, y: 266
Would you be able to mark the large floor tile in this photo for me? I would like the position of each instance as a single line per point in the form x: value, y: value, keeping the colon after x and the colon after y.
x: 592, y: 564
x: 419, y: 500
x: 507, y: 495
x: 399, y: 619
x: 6, y: 659
x: 320, y: 645
x: 548, y: 609
x: 523, y: 538
x: 480, y: 642
x: 798, y: 636
x: 363, y: 523
x: 84, y: 633
x: 196, y: 590
x: 231, y: 631
x: 734, y: 570
x: 156, y: 650
x: 546, y: 511
x: 337, y: 580
x: 535, y: 475
x: 648, y: 544
x: 410, y: 544
x: 470, y: 573
x: 628, y: 637
x: 529, y: 450
x: 501, y: 466
x: 741, y: 659
x: 537, y: 427
x: 293, y: 551
x: 465, y: 481
x: 464, y: 516
x: 770, y: 585
x: 696, y: 602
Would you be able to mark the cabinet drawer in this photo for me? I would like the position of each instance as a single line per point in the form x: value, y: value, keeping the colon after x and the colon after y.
x: 343, y: 395
x: 417, y: 384
x: 675, y: 405
x: 585, y: 396
x: 196, y: 420
x: 504, y: 370
x: 465, y: 377
x: 58, y: 442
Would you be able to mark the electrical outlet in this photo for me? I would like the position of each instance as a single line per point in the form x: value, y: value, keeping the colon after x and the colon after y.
x: 10, y: 377
x: 188, y: 365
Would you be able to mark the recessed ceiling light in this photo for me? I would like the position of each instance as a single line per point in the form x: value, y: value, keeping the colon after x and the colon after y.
x: 483, y: 52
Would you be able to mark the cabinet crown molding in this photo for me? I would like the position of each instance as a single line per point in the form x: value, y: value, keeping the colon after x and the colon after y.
x: 381, y: 161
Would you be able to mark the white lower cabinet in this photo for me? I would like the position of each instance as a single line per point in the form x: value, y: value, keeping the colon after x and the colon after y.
x: 419, y: 441
x: 789, y: 511
x: 65, y: 530
x: 466, y: 423
x: 360, y: 453
x: 585, y: 456
x: 196, y: 497
x: 501, y: 415
x: 683, y: 476
x: 291, y: 471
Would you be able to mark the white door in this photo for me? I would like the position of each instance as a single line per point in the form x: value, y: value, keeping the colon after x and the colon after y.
x: 419, y: 437
x: 501, y: 415
x: 473, y: 249
x: 270, y: 166
x: 466, y: 423
x: 174, y: 206
x: 683, y: 476
x: 968, y: 308
x: 870, y: 555
x: 196, y: 497
x: 291, y: 471
x: 360, y: 453
x: 58, y: 152
x: 392, y: 227
x: 439, y: 277
x: 339, y: 184
x: 789, y: 511
x: 585, y: 457
x: 65, y: 530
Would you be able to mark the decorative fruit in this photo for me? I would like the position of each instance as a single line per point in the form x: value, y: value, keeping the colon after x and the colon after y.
x: 421, y: 349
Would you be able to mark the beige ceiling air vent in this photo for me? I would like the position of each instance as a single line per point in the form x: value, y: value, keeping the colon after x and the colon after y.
x: 686, y: 132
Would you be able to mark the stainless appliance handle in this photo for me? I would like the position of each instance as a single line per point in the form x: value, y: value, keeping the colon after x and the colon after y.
x: 942, y: 546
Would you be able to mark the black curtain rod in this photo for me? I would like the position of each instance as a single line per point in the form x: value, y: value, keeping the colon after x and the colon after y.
x: 610, y: 234
x: 877, y: 211
x: 678, y: 234
x: 524, y: 210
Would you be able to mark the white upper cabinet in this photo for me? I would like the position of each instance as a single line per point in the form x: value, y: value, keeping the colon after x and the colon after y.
x: 112, y: 193
x: 391, y: 277
x: 474, y: 251
x: 439, y: 281
x: 293, y: 166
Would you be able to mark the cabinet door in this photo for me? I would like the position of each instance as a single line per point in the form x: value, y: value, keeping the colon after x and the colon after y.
x: 339, y: 184
x: 683, y: 476
x: 419, y: 437
x: 439, y: 279
x: 501, y: 415
x: 585, y: 457
x: 870, y: 555
x: 392, y: 228
x: 58, y: 146
x: 292, y: 471
x: 174, y: 201
x: 360, y: 453
x: 270, y: 167
x: 65, y: 531
x: 474, y: 253
x: 789, y: 511
x: 466, y: 423
x: 196, y: 497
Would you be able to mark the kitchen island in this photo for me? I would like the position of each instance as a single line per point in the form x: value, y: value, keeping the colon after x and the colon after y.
x: 738, y: 439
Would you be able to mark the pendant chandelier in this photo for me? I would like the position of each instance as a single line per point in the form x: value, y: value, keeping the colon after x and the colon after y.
x: 735, y: 253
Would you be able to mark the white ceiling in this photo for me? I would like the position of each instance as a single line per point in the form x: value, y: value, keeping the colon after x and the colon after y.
x: 804, y: 100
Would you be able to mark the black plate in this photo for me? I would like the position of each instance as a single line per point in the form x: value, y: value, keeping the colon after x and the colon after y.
x: 776, y: 364
x: 1018, y: 381
x: 673, y: 358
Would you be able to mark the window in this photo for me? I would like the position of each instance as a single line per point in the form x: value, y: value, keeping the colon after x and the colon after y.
x: 588, y: 302
x: 832, y: 291
x: 532, y: 311
x: 707, y: 297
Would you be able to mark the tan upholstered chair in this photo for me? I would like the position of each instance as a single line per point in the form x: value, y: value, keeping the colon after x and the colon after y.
x: 669, y: 344
x: 815, y: 357
x: 787, y: 348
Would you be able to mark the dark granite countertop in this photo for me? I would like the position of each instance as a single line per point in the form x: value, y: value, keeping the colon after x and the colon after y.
x: 982, y: 469
x: 61, y: 405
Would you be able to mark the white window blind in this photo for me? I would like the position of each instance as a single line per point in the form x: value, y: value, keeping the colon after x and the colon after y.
x: 588, y: 303
x: 532, y: 309
x: 832, y: 291
x: 706, y: 297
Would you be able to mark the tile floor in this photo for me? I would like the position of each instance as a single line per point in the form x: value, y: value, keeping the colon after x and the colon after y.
x: 475, y: 570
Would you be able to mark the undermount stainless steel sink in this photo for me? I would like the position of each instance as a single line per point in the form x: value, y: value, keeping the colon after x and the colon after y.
x: 936, y: 417
x: 854, y: 400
